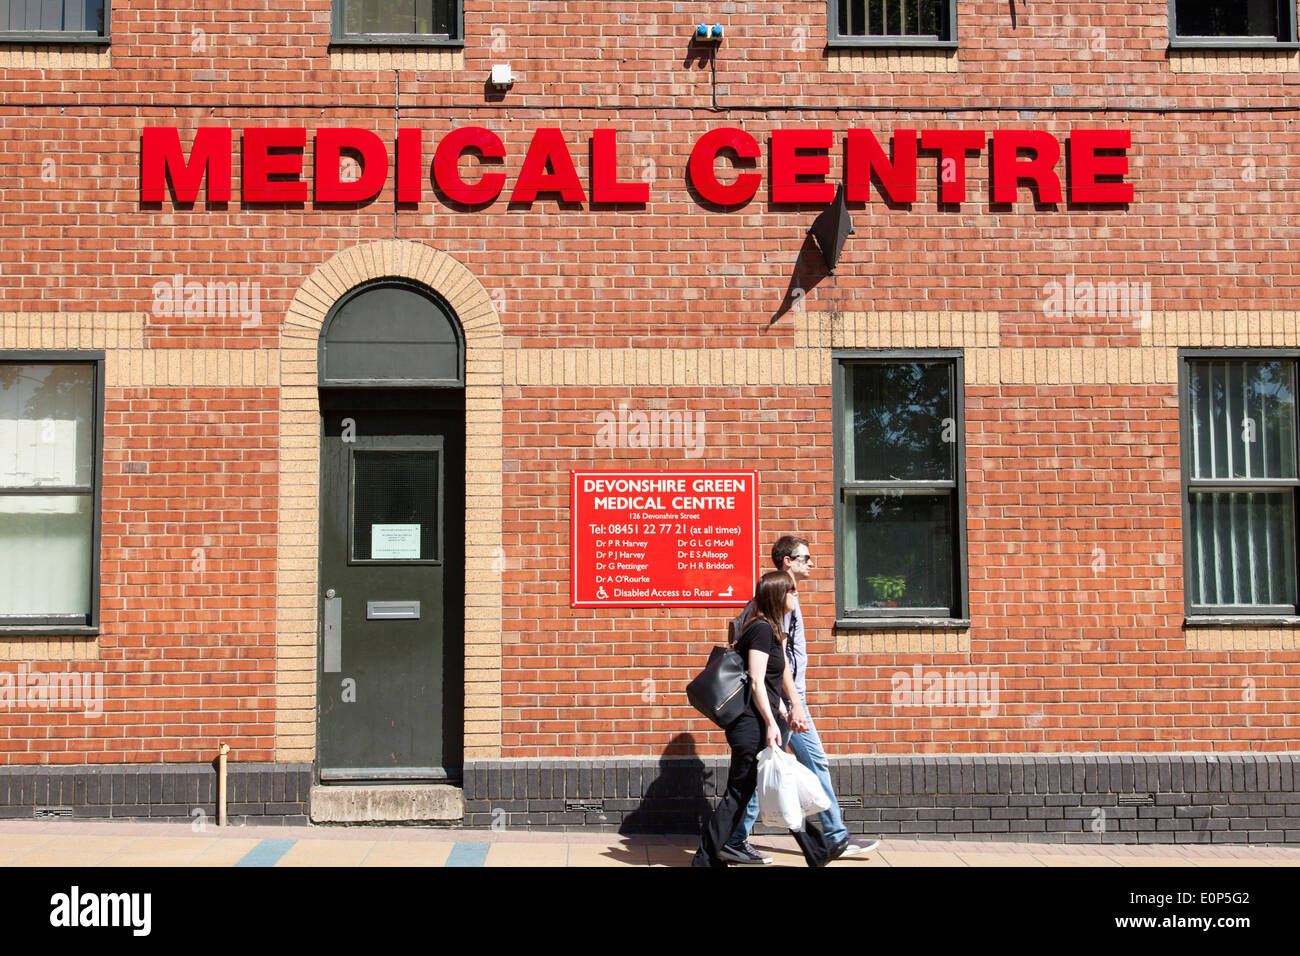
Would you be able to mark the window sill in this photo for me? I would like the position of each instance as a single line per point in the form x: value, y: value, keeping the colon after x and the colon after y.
x: 51, y: 39
x: 888, y: 43
x: 1241, y: 620
x: 414, y: 40
x: 1215, y: 43
x: 894, y: 623
x: 31, y: 630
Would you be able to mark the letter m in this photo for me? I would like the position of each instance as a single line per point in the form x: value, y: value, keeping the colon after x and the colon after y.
x: 161, y: 157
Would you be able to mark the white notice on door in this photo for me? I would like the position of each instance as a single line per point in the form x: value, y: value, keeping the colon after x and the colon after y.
x: 400, y: 541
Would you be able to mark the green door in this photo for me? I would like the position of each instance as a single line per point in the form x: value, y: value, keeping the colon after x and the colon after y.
x: 391, y: 585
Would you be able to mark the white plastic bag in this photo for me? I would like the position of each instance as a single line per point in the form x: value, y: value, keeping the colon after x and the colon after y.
x: 812, y: 795
x: 778, y: 790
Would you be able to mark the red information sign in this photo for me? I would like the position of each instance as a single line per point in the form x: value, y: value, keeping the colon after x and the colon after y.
x: 663, y: 538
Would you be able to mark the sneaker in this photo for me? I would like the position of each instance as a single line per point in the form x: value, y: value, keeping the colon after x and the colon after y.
x: 855, y: 848
x: 743, y: 854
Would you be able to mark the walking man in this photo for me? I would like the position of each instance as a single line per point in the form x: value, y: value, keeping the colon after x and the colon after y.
x: 791, y: 555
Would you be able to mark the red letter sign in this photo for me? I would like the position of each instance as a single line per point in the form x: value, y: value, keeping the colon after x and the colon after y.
x: 446, y: 165
x: 410, y: 154
x: 330, y: 143
x: 260, y: 165
x: 863, y: 156
x: 788, y: 165
x: 662, y: 538
x: 953, y: 145
x: 161, y: 156
x: 701, y: 166
x: 1009, y: 169
x: 605, y: 186
x: 548, y: 146
x: 1086, y: 165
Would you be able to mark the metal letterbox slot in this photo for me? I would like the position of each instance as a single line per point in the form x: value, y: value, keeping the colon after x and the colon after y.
x: 392, y: 610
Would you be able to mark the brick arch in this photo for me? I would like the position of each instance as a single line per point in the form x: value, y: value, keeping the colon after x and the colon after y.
x: 299, y: 487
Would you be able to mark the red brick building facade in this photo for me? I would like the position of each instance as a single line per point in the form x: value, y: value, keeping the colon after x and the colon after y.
x: 1122, y: 610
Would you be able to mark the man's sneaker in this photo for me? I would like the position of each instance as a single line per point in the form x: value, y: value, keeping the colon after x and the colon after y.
x: 743, y: 854
x: 855, y: 848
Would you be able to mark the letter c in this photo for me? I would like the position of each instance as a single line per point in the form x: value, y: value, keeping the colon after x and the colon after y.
x: 446, y: 165
x: 704, y: 156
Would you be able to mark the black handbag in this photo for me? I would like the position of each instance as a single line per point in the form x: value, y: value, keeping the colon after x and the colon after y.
x: 721, y: 691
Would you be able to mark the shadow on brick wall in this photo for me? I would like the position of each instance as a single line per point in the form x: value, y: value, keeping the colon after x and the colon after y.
x: 677, y: 799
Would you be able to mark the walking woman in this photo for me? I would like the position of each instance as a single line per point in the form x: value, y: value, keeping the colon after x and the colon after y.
x: 762, y: 645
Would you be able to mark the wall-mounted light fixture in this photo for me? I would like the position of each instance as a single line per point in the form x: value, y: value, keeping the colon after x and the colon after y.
x: 832, y: 228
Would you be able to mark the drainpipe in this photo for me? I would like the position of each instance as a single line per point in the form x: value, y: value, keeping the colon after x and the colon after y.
x: 221, y: 785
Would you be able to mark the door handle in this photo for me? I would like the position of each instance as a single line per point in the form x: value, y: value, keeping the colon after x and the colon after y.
x: 332, y: 638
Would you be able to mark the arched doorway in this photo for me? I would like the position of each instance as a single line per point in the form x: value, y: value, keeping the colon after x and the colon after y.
x: 391, y: 378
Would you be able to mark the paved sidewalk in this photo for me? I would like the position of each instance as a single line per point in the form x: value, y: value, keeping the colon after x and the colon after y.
x: 62, y: 843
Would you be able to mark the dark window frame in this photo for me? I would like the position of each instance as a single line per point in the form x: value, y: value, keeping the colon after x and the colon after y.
x: 893, y: 618
x: 411, y: 285
x: 340, y: 37
x: 1216, y: 615
x: 1177, y: 42
x: 387, y: 443
x: 50, y: 625
x: 836, y: 39
x: 64, y: 37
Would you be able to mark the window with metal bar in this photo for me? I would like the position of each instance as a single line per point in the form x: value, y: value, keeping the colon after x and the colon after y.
x: 1232, y: 22
x: 891, y: 22
x: 50, y: 415
x: 1241, y: 478
x: 899, y: 516
x: 53, y: 21
x: 397, y: 21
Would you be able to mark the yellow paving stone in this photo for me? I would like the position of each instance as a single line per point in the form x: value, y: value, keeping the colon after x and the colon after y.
x: 868, y: 859
x: 1229, y: 861
x: 224, y: 852
x: 408, y: 854
x: 66, y: 858
x: 905, y: 858
x: 526, y: 854
x: 669, y: 855
x: 603, y: 856
x: 94, y: 842
x: 72, y: 851
x: 1154, y: 861
x: 326, y: 853
x: 631, y: 854
x: 1082, y: 859
x: 158, y: 851
x: 14, y: 847
x: 787, y: 854
x: 14, y: 841
x: 999, y: 859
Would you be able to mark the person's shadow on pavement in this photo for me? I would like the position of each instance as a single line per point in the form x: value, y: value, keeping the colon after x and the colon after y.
x: 673, y: 803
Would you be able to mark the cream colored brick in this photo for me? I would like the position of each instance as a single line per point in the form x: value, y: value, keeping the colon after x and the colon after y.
x: 1234, y: 61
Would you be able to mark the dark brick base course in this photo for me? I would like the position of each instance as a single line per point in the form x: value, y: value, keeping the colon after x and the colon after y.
x: 1182, y: 798
x: 263, y: 794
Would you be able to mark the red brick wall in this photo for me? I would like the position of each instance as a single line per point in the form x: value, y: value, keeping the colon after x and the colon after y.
x: 1090, y: 661
x: 187, y: 600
